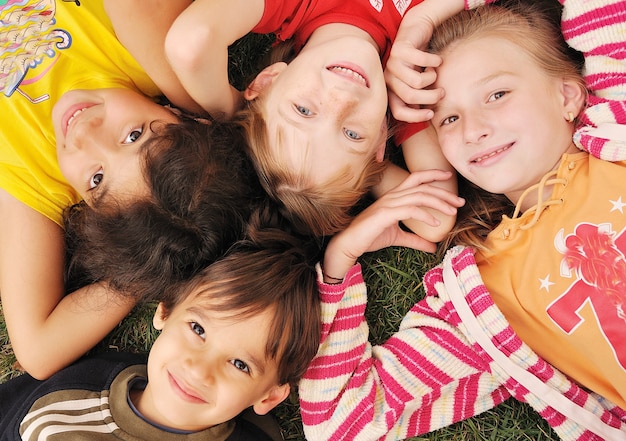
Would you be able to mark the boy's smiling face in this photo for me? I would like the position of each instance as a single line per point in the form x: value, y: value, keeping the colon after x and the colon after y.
x: 206, y: 367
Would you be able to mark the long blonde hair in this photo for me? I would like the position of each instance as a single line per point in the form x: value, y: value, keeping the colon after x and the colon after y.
x: 534, y: 26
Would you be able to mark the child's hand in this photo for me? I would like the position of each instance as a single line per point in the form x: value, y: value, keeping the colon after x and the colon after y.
x: 377, y: 226
x: 409, y: 70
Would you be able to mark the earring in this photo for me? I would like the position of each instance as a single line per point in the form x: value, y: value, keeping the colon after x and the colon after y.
x: 570, y: 117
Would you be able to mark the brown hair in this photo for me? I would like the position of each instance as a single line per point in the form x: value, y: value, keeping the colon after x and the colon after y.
x: 534, y: 26
x: 202, y: 189
x: 271, y: 268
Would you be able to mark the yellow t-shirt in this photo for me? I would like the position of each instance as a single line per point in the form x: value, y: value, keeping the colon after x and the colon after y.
x: 561, y: 283
x: 52, y: 47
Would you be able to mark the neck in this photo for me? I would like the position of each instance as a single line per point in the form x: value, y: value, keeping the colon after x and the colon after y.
x: 332, y: 31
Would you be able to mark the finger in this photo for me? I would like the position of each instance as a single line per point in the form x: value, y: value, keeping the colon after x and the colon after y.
x: 412, y: 56
x: 417, y: 178
x: 412, y: 204
x: 411, y: 84
x: 411, y: 240
x: 444, y: 194
x: 403, y: 112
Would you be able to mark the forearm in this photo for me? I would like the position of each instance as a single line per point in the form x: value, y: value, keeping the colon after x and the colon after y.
x: 141, y: 26
x: 595, y: 28
x: 378, y: 389
x: 197, y: 44
x: 47, y: 330
x: 78, y: 322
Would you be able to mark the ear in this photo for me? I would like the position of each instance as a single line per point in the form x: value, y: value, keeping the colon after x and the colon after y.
x: 273, y: 398
x: 574, y: 96
x: 264, y: 79
x: 159, y: 317
x: 380, y: 151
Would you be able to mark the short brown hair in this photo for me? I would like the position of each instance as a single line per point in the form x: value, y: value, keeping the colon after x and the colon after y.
x: 271, y: 269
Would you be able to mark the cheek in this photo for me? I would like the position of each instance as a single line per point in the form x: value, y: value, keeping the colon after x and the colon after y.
x: 449, y: 148
x: 70, y: 173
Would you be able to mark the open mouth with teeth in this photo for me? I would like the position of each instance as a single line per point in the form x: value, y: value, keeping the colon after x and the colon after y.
x: 74, y: 115
x: 496, y: 152
x: 350, y: 74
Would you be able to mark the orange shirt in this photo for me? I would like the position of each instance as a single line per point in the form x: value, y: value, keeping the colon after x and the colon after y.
x: 561, y: 281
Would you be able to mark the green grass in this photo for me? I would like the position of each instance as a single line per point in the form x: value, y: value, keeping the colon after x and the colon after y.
x: 394, y: 279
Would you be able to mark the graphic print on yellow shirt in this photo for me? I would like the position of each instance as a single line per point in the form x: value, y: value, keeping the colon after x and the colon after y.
x: 48, y: 48
x: 30, y: 41
x: 593, y: 256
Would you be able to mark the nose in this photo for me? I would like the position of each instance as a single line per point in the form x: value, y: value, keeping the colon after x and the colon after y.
x: 475, y: 127
x: 340, y: 102
x: 201, y: 367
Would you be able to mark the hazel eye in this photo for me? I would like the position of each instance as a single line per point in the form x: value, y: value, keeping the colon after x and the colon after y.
x: 496, y: 96
x: 449, y: 120
x: 351, y: 134
x: 96, y: 179
x: 133, y: 136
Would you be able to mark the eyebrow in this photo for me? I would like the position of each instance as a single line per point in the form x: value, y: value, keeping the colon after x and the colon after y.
x: 257, y: 364
x: 481, y: 82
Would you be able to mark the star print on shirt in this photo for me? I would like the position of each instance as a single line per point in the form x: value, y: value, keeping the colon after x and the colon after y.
x: 546, y: 283
x: 618, y: 205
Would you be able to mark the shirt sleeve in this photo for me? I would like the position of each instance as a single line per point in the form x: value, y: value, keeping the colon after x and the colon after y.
x: 596, y: 28
x: 425, y: 376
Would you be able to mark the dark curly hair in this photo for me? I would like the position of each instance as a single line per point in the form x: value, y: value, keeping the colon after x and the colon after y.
x: 202, y: 190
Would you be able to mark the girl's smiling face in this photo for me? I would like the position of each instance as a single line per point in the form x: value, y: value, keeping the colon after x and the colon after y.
x: 99, y: 134
x: 326, y: 110
x: 503, y: 121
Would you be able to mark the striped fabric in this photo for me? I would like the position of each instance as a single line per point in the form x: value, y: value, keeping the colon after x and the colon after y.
x: 597, y: 28
x: 431, y: 373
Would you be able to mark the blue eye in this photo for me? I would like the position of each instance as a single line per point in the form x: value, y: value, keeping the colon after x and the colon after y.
x: 303, y: 110
x: 198, y: 329
x: 351, y: 134
x: 96, y: 179
x: 242, y: 366
x: 133, y: 136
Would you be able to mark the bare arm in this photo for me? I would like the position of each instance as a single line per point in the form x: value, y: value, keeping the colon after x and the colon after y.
x: 47, y: 331
x: 197, y: 49
x: 141, y: 26
x: 422, y: 152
